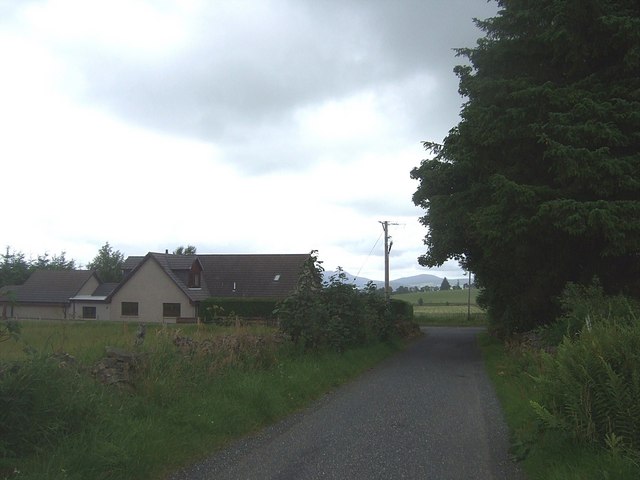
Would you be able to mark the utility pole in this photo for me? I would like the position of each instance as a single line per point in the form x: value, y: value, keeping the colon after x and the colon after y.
x: 469, y: 301
x: 387, y: 249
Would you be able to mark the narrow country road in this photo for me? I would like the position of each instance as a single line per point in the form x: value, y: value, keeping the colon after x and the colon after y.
x: 429, y: 412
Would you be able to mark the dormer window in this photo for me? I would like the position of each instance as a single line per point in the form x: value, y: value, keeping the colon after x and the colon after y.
x: 195, y: 275
x: 194, y: 280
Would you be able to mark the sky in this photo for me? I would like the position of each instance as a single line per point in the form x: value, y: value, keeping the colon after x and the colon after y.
x: 271, y: 126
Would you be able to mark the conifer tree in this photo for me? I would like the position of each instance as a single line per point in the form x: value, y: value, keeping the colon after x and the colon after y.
x: 539, y: 183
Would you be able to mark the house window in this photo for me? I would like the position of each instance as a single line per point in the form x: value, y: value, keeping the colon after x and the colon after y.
x: 171, y: 310
x: 129, y: 309
x: 88, y: 312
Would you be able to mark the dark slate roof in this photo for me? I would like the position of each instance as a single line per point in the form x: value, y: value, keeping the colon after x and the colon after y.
x: 253, y: 275
x: 51, y: 286
x: 174, y: 262
x: 132, y: 262
x: 104, y: 289
x: 178, y: 262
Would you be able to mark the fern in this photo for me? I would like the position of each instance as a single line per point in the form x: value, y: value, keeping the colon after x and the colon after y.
x: 592, y: 386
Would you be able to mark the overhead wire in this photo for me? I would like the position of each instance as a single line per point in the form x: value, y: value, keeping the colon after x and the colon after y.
x: 366, y: 259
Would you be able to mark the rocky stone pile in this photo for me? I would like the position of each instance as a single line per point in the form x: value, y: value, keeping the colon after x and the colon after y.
x: 117, y: 367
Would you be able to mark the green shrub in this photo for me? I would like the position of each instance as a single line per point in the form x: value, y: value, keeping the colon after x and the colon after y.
x: 401, y: 310
x: 336, y: 315
x: 591, y: 385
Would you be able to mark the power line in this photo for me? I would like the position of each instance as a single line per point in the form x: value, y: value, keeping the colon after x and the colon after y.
x: 367, y: 259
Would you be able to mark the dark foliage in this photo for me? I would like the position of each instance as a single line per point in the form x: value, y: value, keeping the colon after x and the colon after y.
x: 214, y: 309
x: 336, y: 315
x: 539, y: 183
x: 108, y: 264
x: 15, y: 268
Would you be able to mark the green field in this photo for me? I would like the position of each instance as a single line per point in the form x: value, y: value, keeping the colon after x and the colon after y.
x: 442, y: 297
x: 446, y: 307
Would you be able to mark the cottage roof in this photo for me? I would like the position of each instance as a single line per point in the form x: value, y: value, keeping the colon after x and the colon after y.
x: 252, y: 275
x: 49, y: 286
x: 228, y: 275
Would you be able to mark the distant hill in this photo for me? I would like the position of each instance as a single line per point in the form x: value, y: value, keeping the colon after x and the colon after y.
x: 360, y: 282
x: 422, y: 280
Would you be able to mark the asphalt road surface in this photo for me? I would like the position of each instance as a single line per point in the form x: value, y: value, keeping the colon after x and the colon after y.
x: 429, y: 412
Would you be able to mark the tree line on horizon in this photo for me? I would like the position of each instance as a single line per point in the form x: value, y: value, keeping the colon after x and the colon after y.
x: 445, y: 285
x: 15, y: 268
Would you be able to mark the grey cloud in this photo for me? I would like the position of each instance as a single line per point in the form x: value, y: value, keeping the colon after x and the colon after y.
x: 384, y: 206
x: 235, y: 83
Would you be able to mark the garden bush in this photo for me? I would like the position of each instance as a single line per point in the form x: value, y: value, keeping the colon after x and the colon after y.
x: 336, y: 315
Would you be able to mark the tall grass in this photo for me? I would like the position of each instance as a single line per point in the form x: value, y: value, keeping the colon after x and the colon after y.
x: 57, y: 423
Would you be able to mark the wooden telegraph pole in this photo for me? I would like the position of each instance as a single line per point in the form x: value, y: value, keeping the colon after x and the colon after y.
x: 387, y: 249
x: 469, y: 300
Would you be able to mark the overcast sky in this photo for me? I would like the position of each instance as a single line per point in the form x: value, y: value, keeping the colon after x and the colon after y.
x: 264, y: 126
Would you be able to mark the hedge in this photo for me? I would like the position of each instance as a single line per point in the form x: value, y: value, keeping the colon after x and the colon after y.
x: 243, y: 307
x: 401, y: 310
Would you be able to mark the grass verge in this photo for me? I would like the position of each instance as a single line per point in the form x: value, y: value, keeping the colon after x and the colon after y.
x: 182, y: 408
x: 544, y: 454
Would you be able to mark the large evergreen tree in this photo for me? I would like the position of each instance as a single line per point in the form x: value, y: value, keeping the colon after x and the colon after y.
x: 539, y: 183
